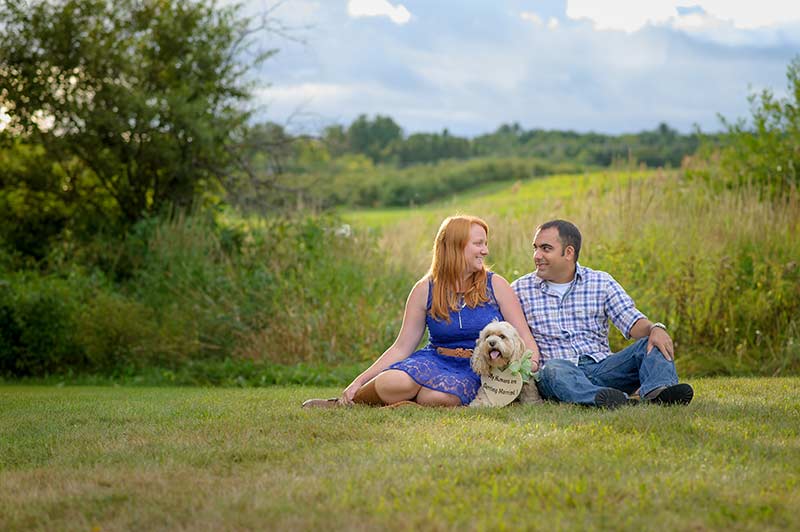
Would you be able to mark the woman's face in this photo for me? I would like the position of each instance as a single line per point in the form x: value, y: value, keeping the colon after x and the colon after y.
x: 477, y: 248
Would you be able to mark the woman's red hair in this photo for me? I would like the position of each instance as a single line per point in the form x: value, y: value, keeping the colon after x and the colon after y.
x: 448, y: 266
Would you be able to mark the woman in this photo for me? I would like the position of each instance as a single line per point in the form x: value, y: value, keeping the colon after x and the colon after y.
x: 455, y: 300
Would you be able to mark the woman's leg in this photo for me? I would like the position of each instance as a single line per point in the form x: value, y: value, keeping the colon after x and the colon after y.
x: 429, y: 397
x: 393, y: 386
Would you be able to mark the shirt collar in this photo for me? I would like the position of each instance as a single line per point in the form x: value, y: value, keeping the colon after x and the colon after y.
x: 580, y: 277
x: 580, y: 273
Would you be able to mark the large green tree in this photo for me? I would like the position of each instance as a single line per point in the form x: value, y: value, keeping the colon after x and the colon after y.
x: 766, y: 151
x: 137, y: 103
x: 374, y: 137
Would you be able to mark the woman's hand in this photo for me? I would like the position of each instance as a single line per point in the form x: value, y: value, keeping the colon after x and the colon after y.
x: 411, y: 332
x: 349, y: 393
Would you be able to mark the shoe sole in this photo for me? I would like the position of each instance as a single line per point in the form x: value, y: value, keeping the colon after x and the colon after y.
x: 610, y: 398
x: 678, y: 394
x: 321, y: 403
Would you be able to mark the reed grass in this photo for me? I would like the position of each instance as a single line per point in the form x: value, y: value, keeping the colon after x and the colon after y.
x: 254, y: 297
x: 719, y: 266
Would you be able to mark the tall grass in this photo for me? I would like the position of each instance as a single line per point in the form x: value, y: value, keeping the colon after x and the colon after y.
x: 281, y: 300
x: 720, y: 267
x: 242, y: 294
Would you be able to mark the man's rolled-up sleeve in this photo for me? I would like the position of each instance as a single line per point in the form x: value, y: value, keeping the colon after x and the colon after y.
x: 620, y: 308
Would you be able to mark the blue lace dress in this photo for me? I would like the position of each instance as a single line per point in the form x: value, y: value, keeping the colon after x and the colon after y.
x: 444, y: 373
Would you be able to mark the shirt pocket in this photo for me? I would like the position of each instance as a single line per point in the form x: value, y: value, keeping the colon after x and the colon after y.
x: 585, y: 315
x: 547, y: 323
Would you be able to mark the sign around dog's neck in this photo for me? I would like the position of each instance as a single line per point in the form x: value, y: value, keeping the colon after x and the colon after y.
x: 501, y: 386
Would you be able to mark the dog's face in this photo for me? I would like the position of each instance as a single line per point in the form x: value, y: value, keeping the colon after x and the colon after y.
x: 497, y: 346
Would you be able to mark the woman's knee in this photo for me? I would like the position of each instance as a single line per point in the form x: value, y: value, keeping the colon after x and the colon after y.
x: 429, y: 397
x: 393, y: 383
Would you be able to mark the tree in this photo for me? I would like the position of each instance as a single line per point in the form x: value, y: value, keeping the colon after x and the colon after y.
x: 768, y: 152
x: 335, y: 139
x: 373, y: 137
x: 143, y: 100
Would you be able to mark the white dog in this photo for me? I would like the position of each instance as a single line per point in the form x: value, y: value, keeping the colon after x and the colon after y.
x: 499, y: 345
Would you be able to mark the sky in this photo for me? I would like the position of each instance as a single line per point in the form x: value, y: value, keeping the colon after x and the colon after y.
x: 609, y: 66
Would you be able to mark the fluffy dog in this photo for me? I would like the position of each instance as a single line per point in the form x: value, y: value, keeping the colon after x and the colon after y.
x: 499, y: 345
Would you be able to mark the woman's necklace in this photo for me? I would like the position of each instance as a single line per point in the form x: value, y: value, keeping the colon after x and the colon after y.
x: 462, y: 303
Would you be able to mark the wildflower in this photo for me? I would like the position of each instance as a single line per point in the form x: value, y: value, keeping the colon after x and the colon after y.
x: 344, y: 231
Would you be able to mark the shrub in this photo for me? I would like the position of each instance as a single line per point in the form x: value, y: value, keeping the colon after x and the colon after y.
x: 767, y: 153
x: 38, y: 325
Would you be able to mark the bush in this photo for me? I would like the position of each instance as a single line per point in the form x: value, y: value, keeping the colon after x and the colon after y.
x: 37, y: 333
x: 767, y: 153
x: 118, y: 333
x: 353, y: 182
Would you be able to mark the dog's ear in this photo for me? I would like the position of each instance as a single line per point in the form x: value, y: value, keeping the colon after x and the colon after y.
x: 478, y: 360
x: 519, y: 346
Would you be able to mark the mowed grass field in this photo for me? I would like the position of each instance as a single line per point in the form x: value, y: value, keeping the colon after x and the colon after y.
x: 108, y: 458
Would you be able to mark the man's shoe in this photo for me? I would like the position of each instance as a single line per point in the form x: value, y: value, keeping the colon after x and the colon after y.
x: 677, y: 394
x: 321, y: 403
x: 610, y: 398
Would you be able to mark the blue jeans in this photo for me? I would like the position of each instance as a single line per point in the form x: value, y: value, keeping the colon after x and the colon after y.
x: 631, y: 368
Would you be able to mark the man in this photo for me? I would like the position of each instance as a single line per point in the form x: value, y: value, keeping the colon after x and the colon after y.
x: 568, y: 308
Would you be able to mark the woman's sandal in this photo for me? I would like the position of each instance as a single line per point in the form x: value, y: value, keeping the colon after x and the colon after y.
x: 366, y: 395
x: 334, y: 403
x: 321, y: 403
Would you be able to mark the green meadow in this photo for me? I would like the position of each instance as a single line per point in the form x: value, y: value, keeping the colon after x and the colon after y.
x: 176, y: 278
x: 116, y: 458
x: 718, y: 264
x: 250, y: 301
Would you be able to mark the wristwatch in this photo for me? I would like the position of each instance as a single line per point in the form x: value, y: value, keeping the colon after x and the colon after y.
x: 659, y: 325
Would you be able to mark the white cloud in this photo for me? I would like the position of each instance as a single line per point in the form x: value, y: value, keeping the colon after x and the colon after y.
x: 536, y: 20
x: 752, y: 15
x: 632, y: 15
x: 530, y: 16
x: 625, y: 15
x: 301, y: 94
x: 378, y: 8
x: 458, y: 74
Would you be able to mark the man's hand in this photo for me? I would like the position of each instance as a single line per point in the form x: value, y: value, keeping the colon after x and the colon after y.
x: 660, y: 338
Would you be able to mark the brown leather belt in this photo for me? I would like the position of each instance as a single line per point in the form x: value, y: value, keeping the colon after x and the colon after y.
x: 459, y: 352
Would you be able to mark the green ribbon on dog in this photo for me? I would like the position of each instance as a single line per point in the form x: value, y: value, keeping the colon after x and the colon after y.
x: 523, y: 367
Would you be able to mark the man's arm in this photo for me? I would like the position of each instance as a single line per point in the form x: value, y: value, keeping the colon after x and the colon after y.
x: 623, y: 312
x: 658, y: 337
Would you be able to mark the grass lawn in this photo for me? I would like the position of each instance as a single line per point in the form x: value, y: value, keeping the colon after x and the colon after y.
x: 110, y: 458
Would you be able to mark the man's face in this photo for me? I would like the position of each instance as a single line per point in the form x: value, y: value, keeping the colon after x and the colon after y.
x: 553, y: 262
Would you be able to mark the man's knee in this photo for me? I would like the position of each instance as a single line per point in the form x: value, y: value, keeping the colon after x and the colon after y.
x: 552, y: 377
x: 553, y: 369
x: 640, y: 348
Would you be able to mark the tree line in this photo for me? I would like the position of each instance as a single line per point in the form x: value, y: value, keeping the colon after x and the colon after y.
x: 127, y: 138
x: 120, y: 111
x: 382, y: 140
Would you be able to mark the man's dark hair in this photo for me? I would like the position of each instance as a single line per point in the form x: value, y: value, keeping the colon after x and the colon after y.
x: 568, y: 234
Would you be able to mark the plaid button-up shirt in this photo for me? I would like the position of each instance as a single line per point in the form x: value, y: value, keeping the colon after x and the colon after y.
x: 576, y: 324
